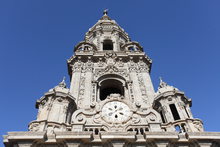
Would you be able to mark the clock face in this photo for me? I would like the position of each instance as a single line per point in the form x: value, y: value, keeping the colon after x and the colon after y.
x: 116, y: 112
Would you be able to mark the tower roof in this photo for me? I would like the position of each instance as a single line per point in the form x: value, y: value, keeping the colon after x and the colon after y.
x: 105, y: 24
x: 164, y: 87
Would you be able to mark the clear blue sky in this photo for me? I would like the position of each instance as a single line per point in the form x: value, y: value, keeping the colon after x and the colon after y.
x: 37, y: 36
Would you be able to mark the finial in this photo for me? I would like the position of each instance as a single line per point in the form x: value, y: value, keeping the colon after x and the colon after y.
x: 105, y: 12
x: 160, y: 79
x: 63, y: 83
x: 64, y: 78
x: 162, y: 83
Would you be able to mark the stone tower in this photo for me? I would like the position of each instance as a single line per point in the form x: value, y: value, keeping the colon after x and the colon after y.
x: 111, y: 101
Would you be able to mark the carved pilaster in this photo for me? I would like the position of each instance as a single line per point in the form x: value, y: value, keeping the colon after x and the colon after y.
x: 94, y: 93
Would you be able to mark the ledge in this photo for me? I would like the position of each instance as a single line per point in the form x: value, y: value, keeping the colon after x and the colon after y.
x: 25, y: 135
x: 203, y: 135
x: 161, y: 135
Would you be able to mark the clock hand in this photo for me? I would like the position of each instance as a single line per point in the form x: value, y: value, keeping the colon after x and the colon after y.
x: 121, y: 113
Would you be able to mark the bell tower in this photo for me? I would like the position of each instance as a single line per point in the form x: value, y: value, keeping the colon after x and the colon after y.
x: 108, y: 62
x: 111, y: 101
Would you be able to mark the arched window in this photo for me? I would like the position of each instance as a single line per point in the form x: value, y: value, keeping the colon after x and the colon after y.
x: 107, y: 45
x: 110, y: 86
x: 174, y: 112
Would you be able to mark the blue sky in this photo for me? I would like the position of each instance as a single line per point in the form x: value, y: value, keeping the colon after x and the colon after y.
x: 37, y: 37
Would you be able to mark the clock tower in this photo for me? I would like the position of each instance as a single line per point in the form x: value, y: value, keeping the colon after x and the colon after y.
x: 111, y: 101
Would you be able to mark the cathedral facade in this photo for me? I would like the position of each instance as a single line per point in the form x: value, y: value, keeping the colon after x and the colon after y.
x: 112, y: 102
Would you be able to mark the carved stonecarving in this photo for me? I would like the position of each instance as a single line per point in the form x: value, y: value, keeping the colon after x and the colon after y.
x: 110, y: 58
x: 81, y: 89
x: 181, y: 105
x: 77, y: 66
x: 130, y: 84
x: 142, y: 88
x: 85, y: 46
x: 133, y: 66
x: 113, y: 105
x: 152, y: 117
x: 136, y: 118
x: 89, y: 65
x: 144, y: 68
x: 111, y: 70
x: 165, y: 109
x: 100, y: 63
x: 198, y: 126
x: 120, y: 63
x: 34, y: 127
x: 94, y: 84
x: 81, y: 116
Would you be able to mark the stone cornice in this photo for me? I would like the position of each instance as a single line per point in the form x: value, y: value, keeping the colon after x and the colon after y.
x: 127, y: 137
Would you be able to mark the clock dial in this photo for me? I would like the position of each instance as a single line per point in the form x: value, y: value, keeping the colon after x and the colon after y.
x: 116, y: 112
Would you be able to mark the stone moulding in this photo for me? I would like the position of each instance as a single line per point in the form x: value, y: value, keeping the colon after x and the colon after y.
x: 103, y: 137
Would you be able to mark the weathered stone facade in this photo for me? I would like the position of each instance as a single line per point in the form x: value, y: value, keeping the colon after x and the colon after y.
x: 112, y: 102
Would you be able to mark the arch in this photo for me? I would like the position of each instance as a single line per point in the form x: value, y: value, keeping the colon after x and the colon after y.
x: 174, y: 111
x: 132, y: 46
x: 109, y: 84
x: 85, y: 46
x: 112, y: 76
x: 107, y: 45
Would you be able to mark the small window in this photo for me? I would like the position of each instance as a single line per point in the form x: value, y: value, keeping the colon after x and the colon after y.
x: 141, y: 131
x: 177, y: 128
x: 146, y: 130
x: 186, y: 112
x: 174, y: 112
x: 162, y: 117
x: 96, y: 131
x: 183, y: 126
x: 131, y: 48
x: 107, y: 45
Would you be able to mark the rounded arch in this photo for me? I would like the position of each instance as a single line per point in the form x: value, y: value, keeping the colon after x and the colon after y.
x: 86, y: 46
x: 112, y: 76
x: 110, y: 84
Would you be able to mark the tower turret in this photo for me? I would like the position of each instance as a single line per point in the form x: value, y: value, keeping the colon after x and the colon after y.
x: 174, y: 109
x: 55, y: 109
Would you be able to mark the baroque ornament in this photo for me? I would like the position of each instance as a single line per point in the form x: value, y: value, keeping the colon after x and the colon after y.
x: 111, y: 101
